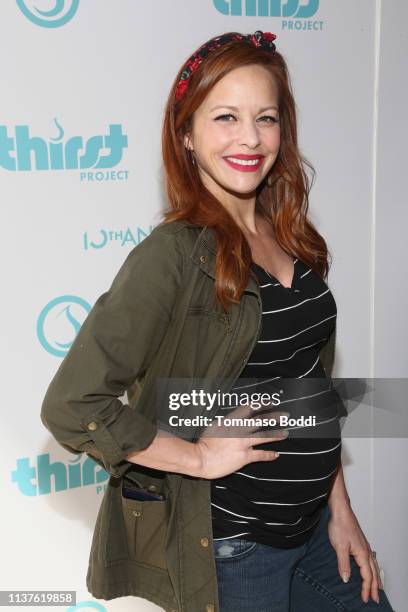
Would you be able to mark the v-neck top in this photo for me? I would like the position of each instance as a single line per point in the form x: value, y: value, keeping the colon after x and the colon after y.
x: 257, y: 268
x: 279, y: 502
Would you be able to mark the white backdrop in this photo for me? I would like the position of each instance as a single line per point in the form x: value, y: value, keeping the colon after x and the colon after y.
x: 93, y: 76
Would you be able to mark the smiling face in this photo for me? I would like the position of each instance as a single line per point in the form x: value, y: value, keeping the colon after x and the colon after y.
x: 235, y: 148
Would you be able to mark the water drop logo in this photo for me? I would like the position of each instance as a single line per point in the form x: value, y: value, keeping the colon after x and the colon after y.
x: 61, y: 13
x: 60, y: 321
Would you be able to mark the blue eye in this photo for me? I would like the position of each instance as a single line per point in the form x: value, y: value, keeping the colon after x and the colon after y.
x: 222, y: 117
x: 272, y: 119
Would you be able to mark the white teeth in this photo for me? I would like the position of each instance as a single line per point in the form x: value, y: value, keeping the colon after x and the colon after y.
x: 242, y: 162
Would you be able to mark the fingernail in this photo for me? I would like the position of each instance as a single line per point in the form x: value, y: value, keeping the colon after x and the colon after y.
x: 346, y: 577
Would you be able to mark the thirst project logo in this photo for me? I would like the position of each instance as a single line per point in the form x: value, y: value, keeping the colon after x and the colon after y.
x: 21, y: 151
x: 41, y: 477
x: 295, y: 14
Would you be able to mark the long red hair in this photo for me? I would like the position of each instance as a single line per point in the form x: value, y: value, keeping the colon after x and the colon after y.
x: 282, y: 195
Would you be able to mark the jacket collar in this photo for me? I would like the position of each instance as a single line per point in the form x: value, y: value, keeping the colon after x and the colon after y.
x: 204, y: 253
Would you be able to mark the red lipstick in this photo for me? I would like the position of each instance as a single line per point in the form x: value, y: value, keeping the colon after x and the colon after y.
x: 253, y: 166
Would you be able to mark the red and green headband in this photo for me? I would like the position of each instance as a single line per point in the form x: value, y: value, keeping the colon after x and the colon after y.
x: 264, y: 40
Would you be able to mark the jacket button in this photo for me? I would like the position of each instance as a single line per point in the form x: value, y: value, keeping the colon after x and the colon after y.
x: 209, y: 607
x: 92, y: 425
x: 136, y: 513
x: 152, y: 487
x: 203, y: 258
x: 204, y: 542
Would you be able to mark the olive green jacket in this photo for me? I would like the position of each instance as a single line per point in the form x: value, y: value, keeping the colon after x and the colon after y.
x: 158, y: 319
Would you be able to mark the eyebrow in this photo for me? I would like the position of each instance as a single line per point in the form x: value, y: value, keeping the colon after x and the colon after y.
x: 261, y: 110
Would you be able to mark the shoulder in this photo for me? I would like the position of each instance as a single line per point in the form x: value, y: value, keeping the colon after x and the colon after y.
x: 176, y: 236
x: 183, y: 230
x: 167, y: 247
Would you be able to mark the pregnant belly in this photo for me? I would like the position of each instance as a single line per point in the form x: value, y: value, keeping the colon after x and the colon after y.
x: 308, y: 457
x: 283, y: 491
x: 298, y: 481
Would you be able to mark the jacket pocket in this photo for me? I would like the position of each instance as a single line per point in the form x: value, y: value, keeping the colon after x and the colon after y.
x: 146, y: 528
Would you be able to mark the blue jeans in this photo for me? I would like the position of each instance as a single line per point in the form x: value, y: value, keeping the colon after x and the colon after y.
x: 255, y: 577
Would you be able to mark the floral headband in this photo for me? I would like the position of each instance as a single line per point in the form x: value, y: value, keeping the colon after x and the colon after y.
x: 260, y: 39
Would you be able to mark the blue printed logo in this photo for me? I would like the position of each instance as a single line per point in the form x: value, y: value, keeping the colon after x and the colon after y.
x: 124, y: 237
x: 55, y: 17
x: 58, y: 323
x: 44, y: 477
x: 268, y: 8
x: 75, y: 153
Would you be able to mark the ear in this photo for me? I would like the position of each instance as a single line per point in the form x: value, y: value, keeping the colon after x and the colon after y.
x: 187, y: 142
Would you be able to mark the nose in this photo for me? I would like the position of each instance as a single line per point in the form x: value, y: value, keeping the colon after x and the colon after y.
x: 249, y: 133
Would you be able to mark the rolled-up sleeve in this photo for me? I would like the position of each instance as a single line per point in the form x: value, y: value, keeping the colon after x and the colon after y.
x: 115, y: 345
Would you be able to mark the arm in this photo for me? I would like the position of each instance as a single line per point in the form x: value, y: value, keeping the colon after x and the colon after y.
x: 338, y: 498
x: 327, y: 353
x: 171, y: 454
x: 115, y: 345
x: 348, y: 539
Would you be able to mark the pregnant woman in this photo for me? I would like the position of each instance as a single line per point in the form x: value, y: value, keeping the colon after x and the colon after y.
x: 230, y: 284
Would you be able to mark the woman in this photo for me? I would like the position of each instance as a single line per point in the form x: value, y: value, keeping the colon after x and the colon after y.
x: 230, y: 286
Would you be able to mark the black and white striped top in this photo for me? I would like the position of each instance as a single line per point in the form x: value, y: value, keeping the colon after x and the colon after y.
x: 279, y: 502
